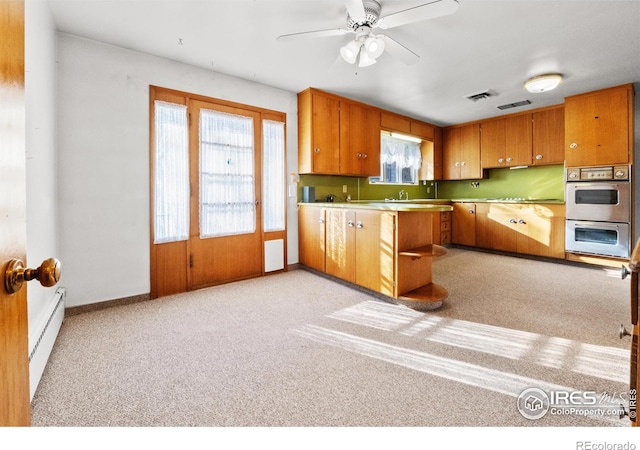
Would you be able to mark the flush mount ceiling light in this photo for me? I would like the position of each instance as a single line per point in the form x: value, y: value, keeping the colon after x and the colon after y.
x: 543, y: 83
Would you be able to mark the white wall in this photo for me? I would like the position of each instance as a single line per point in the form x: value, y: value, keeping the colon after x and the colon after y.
x: 40, y: 99
x: 103, y: 166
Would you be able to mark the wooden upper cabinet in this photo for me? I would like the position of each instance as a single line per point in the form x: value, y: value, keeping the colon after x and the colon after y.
x: 548, y: 136
x: 395, y: 122
x: 461, y: 152
x: 318, y: 135
x: 337, y: 137
x: 506, y: 142
x: 359, y: 140
x: 406, y: 125
x: 599, y: 127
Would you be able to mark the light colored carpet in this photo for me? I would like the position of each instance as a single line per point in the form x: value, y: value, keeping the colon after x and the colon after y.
x: 298, y: 349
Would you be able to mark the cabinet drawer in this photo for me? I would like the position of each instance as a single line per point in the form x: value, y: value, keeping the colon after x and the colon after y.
x: 445, y: 216
x: 445, y: 237
x: 445, y: 226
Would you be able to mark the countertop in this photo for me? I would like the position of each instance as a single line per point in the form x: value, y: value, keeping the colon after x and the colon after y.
x: 387, y: 206
x: 428, y: 203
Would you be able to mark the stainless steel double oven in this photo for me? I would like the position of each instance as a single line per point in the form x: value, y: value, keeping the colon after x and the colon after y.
x: 598, y: 210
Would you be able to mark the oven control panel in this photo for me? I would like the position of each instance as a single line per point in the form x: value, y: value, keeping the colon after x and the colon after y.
x: 609, y: 173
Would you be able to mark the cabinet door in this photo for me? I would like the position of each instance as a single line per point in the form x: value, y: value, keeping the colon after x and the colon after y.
x: 359, y: 140
x: 541, y: 230
x: 492, y: 143
x: 496, y: 226
x: 548, y: 136
x: 340, y: 243
x: 375, y: 250
x: 518, y: 136
x: 394, y: 122
x: 311, y: 236
x: 470, y: 152
x: 452, y: 142
x: 464, y: 224
x: 325, y: 141
x: 597, y: 128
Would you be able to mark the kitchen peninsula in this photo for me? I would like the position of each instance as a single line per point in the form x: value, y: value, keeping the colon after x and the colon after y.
x: 385, y: 247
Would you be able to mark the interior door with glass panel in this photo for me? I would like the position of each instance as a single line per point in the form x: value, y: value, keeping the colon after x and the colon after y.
x: 225, y: 238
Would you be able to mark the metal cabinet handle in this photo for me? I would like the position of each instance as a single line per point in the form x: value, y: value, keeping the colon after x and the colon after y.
x: 573, y: 145
x: 463, y: 163
x: 316, y: 150
x: 358, y: 155
x: 48, y: 274
x: 359, y: 224
x: 500, y: 160
x: 364, y: 156
x: 350, y: 223
x: 622, y: 332
x: 321, y: 220
x: 512, y: 220
x: 509, y: 159
x: 522, y: 222
x: 457, y: 164
x: 471, y: 211
x: 538, y: 157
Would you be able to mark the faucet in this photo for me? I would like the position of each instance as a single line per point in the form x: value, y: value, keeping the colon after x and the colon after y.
x: 403, y: 193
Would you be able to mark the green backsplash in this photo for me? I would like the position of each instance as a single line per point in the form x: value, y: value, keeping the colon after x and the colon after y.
x: 544, y: 182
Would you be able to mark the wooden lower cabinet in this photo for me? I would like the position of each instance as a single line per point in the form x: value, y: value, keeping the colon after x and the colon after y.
x: 441, y: 228
x: 463, y: 228
x: 360, y: 246
x: 533, y: 229
x: 386, y: 251
x: 311, y: 237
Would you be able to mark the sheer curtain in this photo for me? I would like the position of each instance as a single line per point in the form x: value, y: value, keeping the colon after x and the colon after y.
x: 397, y: 157
x: 227, y: 174
x: 273, y: 177
x: 171, y: 177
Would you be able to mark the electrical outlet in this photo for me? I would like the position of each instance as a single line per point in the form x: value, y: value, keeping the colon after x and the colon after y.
x: 344, y: 188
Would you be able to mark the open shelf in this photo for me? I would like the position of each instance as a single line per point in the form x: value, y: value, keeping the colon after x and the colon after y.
x: 429, y: 250
x: 427, y: 297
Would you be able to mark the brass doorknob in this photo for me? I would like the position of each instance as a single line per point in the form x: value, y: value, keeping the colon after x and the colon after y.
x: 48, y: 274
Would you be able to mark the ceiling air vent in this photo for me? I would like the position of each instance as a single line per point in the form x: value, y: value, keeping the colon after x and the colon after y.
x: 481, y: 95
x: 514, y: 105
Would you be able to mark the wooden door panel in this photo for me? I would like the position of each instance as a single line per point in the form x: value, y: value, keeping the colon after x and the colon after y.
x: 14, y: 363
x: 548, y: 136
x: 493, y: 143
x: 375, y: 263
x: 311, y: 237
x: 340, y: 249
x: 214, y: 260
x: 325, y: 124
x: 518, y: 140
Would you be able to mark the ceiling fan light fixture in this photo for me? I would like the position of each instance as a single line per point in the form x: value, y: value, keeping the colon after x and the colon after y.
x: 350, y: 51
x: 374, y: 46
x: 543, y: 83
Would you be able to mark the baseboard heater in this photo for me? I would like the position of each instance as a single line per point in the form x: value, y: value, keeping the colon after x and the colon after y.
x: 43, y: 338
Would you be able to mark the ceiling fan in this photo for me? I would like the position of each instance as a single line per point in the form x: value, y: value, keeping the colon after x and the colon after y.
x: 364, y: 15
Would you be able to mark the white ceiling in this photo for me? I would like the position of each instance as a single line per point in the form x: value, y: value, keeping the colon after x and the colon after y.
x: 484, y: 45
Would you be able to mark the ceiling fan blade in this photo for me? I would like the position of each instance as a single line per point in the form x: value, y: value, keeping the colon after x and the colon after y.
x: 437, y: 8
x: 399, y: 51
x: 314, y: 34
x: 355, y: 9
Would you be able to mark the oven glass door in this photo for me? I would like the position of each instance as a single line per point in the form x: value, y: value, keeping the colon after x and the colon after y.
x: 606, y: 202
x: 599, y: 238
